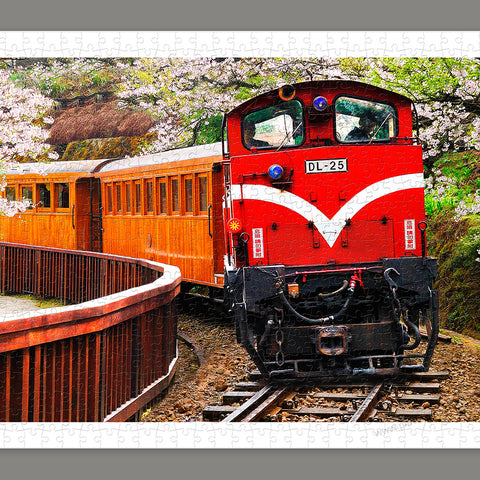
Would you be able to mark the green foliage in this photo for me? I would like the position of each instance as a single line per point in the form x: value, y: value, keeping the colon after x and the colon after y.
x: 455, y: 242
x: 423, y: 78
x: 210, y: 131
x: 90, y: 78
x: 357, y: 67
x: 452, y: 196
x: 455, y: 179
x: 18, y: 79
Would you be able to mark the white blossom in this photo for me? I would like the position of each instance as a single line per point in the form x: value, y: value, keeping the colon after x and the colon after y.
x: 18, y: 135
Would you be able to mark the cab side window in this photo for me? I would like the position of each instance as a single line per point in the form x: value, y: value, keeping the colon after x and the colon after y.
x: 275, y: 126
x: 361, y: 120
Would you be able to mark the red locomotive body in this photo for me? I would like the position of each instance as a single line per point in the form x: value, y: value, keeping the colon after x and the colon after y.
x: 327, y: 271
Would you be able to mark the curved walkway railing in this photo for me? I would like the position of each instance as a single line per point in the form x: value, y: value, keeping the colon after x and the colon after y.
x: 102, y: 359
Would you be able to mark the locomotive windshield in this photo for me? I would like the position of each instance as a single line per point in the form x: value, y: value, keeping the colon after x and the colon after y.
x: 275, y: 126
x: 358, y: 120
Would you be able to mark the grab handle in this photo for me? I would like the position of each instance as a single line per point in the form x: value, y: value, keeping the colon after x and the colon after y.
x: 209, y: 218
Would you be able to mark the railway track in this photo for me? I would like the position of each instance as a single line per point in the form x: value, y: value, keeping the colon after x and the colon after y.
x: 400, y: 399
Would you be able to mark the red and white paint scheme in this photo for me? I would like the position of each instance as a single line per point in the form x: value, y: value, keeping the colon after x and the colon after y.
x: 355, y: 211
x: 326, y: 269
x: 307, y: 223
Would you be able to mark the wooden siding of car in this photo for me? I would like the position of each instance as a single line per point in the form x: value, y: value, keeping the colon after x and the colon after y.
x: 182, y: 239
x: 52, y: 227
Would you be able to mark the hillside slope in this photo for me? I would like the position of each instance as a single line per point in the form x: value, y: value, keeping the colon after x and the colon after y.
x: 453, y: 207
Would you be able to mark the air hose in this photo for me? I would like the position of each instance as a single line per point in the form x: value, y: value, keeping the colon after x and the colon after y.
x: 411, y: 327
x: 331, y: 318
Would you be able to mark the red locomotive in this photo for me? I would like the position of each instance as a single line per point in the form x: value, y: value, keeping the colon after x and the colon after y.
x: 326, y: 270
x: 310, y: 214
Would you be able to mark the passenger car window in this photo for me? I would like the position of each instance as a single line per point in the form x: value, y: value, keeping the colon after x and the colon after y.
x: 188, y: 195
x: 43, y: 195
x: 163, y: 196
x: 62, y: 194
x: 118, y: 192
x: 276, y: 126
x: 203, y: 193
x: 27, y: 194
x: 10, y: 193
x: 359, y: 120
x: 175, y: 197
x: 128, y: 197
x: 109, y: 199
x: 138, y: 197
x: 149, y: 195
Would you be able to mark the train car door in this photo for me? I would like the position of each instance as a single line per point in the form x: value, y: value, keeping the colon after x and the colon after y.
x: 216, y: 222
x: 96, y: 228
x: 87, y: 215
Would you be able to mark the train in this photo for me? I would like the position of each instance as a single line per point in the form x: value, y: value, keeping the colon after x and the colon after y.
x: 307, y: 221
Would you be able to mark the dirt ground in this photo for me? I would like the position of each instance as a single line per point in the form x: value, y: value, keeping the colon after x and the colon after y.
x: 226, y: 363
x: 195, y: 386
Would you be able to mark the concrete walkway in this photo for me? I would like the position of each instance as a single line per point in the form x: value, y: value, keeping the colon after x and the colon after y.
x: 10, y: 306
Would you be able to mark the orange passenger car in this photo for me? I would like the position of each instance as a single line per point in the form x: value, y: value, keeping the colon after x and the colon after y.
x: 165, y: 207
x: 64, y: 204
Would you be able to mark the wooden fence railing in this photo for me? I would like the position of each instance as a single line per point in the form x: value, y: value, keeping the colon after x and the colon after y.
x: 101, y: 359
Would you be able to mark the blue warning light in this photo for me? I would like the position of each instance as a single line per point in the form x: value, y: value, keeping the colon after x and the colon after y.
x: 275, y: 171
x: 320, y: 104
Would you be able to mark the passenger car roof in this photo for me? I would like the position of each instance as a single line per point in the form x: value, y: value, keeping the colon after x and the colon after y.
x: 109, y: 165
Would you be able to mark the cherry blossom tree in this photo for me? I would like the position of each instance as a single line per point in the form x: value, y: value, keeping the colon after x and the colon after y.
x: 446, y: 92
x: 187, y: 97
x: 22, y: 110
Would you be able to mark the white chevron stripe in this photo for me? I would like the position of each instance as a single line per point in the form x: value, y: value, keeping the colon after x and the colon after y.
x: 330, y: 229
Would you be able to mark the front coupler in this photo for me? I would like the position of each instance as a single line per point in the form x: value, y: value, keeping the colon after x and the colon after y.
x: 340, y: 320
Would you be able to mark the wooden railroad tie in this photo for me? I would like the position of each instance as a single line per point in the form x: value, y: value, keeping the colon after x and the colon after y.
x: 254, y: 399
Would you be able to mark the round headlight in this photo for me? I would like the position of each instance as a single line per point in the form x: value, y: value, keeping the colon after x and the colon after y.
x: 275, y: 171
x: 320, y: 104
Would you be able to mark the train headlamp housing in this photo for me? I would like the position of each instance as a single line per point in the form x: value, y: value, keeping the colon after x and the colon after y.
x: 320, y: 104
x: 275, y: 171
x: 287, y: 92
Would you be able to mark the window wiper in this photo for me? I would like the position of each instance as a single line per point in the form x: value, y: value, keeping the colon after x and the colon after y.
x: 288, y: 136
x: 374, y: 134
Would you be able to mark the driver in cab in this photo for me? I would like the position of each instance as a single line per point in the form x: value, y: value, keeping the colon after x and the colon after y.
x: 364, y: 131
x: 249, y: 132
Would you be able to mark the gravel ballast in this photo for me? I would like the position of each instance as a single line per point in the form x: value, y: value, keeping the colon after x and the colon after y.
x: 227, y: 363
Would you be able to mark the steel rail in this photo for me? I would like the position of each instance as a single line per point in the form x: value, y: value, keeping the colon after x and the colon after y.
x: 366, y: 408
x: 254, y: 408
x: 273, y: 400
x: 263, y: 400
